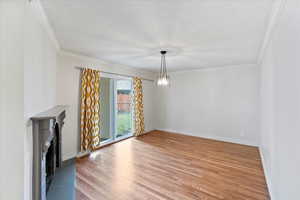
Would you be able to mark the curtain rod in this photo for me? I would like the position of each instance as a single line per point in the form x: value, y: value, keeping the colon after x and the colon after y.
x: 112, y: 73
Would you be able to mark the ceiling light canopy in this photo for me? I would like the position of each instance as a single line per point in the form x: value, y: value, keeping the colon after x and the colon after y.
x: 163, y: 79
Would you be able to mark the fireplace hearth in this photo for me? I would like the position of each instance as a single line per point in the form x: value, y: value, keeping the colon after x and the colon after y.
x: 47, y: 149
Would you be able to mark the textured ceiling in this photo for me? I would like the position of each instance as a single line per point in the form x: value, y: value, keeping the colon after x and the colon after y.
x: 198, y: 33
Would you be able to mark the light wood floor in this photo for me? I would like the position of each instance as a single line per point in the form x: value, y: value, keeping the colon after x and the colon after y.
x: 162, y: 165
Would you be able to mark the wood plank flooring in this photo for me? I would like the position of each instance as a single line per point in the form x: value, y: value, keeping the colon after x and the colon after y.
x: 166, y: 166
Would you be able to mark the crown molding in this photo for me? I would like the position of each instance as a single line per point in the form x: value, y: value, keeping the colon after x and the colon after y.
x: 213, y: 68
x: 37, y: 7
x: 274, y: 16
x: 98, y: 62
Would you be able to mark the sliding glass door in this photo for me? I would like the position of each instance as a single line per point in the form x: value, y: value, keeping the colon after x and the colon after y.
x: 123, y: 108
x: 116, y: 109
x: 106, y: 104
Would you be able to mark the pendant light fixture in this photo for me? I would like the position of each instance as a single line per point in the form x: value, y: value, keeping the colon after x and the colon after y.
x: 163, y: 79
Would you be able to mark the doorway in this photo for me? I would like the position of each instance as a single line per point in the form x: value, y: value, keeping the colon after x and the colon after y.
x: 116, y: 113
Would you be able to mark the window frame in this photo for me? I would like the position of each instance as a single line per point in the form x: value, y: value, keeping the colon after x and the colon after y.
x: 114, y: 109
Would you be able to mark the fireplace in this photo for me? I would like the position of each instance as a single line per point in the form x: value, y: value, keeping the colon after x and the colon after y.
x: 47, y: 149
x: 51, y: 162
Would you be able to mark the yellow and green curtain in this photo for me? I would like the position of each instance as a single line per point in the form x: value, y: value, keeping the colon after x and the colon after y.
x: 90, y: 110
x: 138, y: 107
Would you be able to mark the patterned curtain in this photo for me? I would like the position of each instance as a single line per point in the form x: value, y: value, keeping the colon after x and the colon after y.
x: 138, y: 107
x: 90, y: 110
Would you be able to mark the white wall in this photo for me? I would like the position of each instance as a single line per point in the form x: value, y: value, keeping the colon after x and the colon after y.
x: 12, y: 129
x: 40, y: 65
x: 280, y: 98
x: 220, y: 103
x: 68, y: 94
x: 149, y: 105
x: 28, y: 78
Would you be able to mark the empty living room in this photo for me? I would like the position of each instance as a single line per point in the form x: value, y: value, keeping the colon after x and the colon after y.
x: 150, y: 100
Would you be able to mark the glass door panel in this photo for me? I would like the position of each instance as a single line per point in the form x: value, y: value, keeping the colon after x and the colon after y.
x: 115, y: 109
x: 106, y: 104
x: 123, y: 108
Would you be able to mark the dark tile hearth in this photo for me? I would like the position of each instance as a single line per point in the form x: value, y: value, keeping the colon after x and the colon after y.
x: 63, y: 184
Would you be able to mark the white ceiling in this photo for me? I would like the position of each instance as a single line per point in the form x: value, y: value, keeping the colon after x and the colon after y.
x: 198, y: 33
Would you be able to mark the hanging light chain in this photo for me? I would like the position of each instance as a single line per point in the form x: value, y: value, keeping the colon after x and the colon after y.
x: 161, y: 67
x: 165, y: 65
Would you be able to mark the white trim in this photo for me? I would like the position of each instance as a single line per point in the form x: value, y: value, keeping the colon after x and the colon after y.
x: 276, y: 10
x: 114, y: 112
x: 111, y: 141
x: 225, y: 66
x: 213, y: 137
x: 42, y: 17
x: 79, y: 155
x: 132, y: 107
x: 113, y: 76
x: 104, y: 63
x: 267, y: 175
x: 105, y: 142
x: 111, y: 109
x: 153, y: 72
x: 214, y: 68
x: 71, y: 156
x: 65, y: 52
x: 123, y: 137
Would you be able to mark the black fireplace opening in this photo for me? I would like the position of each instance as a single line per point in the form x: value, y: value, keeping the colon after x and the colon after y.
x: 50, y: 164
x: 52, y: 156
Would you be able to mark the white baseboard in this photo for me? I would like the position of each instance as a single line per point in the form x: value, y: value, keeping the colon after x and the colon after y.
x: 69, y: 156
x: 267, y: 174
x: 213, y: 137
